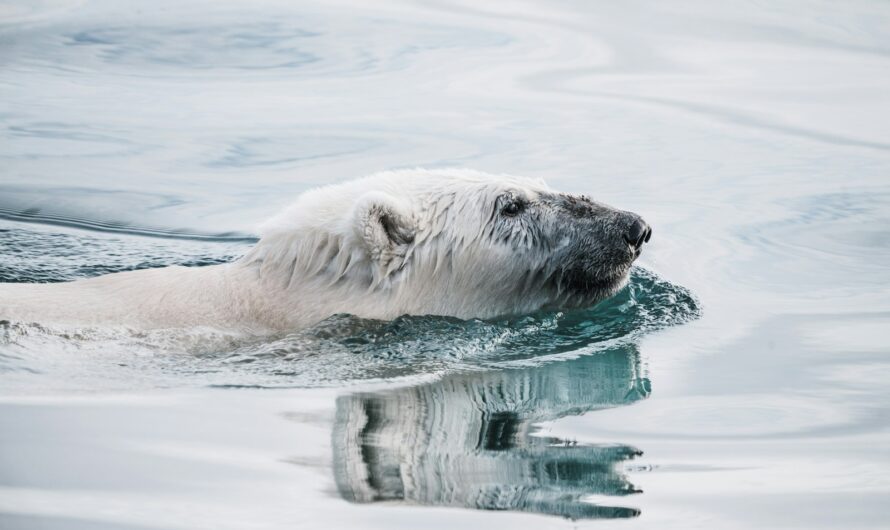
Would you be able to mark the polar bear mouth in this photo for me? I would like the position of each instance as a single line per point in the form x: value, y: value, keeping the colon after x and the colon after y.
x: 585, y: 283
x: 584, y: 287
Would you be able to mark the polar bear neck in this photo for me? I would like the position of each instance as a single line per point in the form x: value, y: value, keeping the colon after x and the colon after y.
x: 312, y: 275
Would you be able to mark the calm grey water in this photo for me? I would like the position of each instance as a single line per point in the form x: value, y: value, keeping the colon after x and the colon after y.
x: 740, y: 381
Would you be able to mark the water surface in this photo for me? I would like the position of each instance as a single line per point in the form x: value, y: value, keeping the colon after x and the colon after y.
x: 739, y: 381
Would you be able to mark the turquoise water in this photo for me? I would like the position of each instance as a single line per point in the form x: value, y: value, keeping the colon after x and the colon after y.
x: 738, y: 382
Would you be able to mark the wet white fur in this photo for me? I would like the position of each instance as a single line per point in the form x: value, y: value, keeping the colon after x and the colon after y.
x: 327, y: 253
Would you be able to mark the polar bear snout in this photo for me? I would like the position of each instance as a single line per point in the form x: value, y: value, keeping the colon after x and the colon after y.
x: 622, y: 233
x: 638, y: 232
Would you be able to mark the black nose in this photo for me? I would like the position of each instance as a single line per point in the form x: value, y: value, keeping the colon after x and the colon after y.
x: 638, y: 233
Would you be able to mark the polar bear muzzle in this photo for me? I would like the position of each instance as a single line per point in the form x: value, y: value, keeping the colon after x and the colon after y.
x: 599, y: 245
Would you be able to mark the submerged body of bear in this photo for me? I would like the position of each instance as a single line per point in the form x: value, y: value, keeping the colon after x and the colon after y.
x: 451, y: 242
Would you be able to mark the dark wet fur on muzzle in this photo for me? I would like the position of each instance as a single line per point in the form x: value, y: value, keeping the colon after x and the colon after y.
x: 591, y: 254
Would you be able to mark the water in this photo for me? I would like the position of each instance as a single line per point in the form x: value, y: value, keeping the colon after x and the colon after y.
x: 739, y: 382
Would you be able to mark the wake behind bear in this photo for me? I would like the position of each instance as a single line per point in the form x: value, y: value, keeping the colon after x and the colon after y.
x: 446, y: 242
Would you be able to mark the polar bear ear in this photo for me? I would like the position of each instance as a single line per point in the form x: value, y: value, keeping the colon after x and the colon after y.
x: 384, y: 224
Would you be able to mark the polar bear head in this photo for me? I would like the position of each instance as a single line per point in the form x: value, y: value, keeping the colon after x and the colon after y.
x: 456, y: 243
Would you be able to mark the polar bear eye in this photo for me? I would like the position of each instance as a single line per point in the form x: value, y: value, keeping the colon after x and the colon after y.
x: 513, y: 208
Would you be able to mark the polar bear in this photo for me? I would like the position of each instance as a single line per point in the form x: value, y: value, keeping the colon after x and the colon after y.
x: 455, y: 243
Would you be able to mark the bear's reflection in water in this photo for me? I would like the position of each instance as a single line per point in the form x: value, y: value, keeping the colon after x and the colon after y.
x: 467, y: 440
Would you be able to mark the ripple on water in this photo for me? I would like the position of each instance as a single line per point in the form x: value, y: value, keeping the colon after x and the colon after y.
x: 270, y: 43
x: 847, y: 230
x: 37, y: 253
